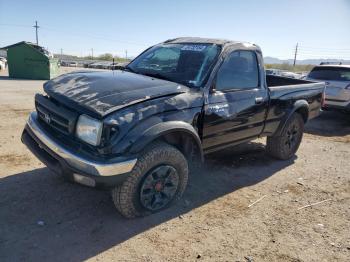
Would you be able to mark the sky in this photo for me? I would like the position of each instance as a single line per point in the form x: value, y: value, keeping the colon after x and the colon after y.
x: 321, y: 28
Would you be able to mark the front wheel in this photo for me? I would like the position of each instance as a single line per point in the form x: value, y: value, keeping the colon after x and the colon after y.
x: 287, y: 143
x: 157, y: 180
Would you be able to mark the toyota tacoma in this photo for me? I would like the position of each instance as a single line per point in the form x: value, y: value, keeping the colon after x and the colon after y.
x: 140, y: 129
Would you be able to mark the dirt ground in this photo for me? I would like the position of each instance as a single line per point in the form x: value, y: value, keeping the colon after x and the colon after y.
x: 42, y: 218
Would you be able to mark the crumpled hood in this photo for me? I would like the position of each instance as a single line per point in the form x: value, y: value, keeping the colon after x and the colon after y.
x: 103, y: 92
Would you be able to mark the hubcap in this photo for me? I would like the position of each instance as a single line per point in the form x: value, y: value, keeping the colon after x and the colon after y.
x: 159, y: 187
x: 292, y: 136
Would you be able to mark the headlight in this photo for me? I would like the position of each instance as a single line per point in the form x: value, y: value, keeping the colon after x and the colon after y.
x: 89, y: 130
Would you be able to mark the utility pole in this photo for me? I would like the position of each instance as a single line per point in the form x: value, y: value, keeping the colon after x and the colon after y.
x: 36, y: 31
x: 92, y: 53
x: 126, y: 54
x: 295, y: 54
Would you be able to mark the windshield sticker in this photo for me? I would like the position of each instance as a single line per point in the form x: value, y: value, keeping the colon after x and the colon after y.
x: 196, y: 48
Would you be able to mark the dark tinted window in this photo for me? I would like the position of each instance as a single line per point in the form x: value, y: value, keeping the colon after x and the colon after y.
x: 330, y: 73
x: 239, y: 71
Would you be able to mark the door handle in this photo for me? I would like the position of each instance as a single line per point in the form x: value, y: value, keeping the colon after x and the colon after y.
x: 259, y: 100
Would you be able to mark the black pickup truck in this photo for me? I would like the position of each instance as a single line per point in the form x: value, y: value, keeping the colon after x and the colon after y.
x: 140, y: 129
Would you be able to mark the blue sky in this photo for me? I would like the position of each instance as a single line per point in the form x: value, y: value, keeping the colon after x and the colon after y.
x: 322, y: 28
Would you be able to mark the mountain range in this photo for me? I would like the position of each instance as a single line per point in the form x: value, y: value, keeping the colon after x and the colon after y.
x: 274, y: 60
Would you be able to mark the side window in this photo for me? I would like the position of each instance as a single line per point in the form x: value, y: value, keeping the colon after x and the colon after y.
x: 238, y: 71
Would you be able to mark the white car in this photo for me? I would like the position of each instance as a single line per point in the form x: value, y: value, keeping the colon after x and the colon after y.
x: 273, y: 72
x: 337, y: 79
x: 3, y: 63
x: 283, y: 73
x: 73, y: 64
x: 290, y: 75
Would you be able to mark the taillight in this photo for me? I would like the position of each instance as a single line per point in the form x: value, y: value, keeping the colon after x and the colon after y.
x: 323, y: 99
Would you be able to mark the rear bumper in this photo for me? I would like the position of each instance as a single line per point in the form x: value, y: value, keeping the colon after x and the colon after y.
x: 337, y: 104
x: 65, y: 162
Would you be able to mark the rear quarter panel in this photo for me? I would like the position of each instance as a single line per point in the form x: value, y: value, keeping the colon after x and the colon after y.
x: 284, y: 100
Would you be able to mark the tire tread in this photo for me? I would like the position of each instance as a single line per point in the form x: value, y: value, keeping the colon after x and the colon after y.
x: 274, y: 144
x: 123, y: 195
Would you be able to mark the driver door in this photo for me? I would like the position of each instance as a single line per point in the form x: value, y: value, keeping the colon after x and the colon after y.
x: 237, y: 106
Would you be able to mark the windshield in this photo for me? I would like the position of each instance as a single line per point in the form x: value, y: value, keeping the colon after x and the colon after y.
x: 330, y: 73
x: 187, y: 64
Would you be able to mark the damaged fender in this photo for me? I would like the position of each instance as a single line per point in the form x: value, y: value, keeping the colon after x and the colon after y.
x: 162, y: 129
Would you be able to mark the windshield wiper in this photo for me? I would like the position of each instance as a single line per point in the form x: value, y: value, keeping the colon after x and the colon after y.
x: 127, y: 68
x: 157, y: 75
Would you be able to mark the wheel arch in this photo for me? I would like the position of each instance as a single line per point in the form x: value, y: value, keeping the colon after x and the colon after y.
x: 179, y: 134
x: 301, y: 107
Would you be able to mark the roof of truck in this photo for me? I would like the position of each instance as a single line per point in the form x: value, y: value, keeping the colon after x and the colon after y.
x: 207, y: 41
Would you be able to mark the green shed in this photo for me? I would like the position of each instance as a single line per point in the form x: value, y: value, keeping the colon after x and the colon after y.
x: 30, y: 61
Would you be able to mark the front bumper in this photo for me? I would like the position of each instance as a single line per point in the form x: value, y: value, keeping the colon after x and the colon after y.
x: 66, y: 162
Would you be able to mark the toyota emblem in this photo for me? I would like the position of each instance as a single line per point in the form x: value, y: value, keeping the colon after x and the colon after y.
x: 47, y: 118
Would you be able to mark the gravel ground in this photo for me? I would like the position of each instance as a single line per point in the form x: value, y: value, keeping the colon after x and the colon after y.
x: 43, y: 218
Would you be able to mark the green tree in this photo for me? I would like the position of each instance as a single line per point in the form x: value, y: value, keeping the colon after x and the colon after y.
x: 106, y: 56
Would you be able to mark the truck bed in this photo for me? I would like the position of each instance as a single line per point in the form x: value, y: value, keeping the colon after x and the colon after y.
x: 280, y: 86
x: 289, y: 89
x: 284, y: 81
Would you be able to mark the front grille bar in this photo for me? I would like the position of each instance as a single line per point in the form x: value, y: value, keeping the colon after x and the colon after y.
x: 54, y: 115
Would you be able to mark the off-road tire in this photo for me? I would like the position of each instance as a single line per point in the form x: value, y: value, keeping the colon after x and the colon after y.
x: 126, y: 197
x: 278, y: 147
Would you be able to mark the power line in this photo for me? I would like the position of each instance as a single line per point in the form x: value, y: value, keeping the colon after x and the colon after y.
x: 300, y: 50
x: 324, y: 48
x: 326, y: 56
x: 323, y: 51
x: 320, y: 53
x: 80, y: 35
x: 322, y: 57
x: 15, y: 25
x: 92, y: 36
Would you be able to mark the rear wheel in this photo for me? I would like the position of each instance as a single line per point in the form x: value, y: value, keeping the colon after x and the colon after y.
x: 157, y: 180
x: 287, y: 143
